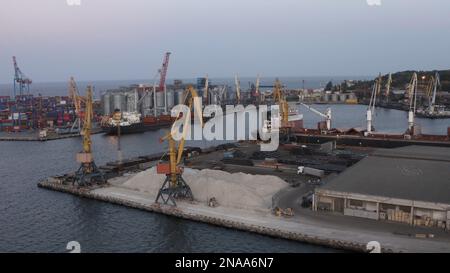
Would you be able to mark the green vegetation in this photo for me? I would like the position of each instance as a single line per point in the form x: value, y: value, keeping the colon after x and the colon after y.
x: 401, y: 79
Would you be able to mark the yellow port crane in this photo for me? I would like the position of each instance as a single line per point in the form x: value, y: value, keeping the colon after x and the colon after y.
x: 279, y: 98
x: 88, y: 173
x: 174, y: 185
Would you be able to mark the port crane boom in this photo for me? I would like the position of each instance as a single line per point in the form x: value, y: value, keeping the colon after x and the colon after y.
x: 412, y: 91
x: 373, y: 98
x: 436, y: 83
x: 238, y: 89
x: 174, y: 185
x: 327, y: 114
x: 257, y: 93
x: 76, y: 99
x: 20, y: 80
x: 206, y: 90
x: 388, y: 86
x: 163, y: 72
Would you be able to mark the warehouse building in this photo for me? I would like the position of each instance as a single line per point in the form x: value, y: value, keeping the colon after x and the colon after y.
x: 409, y: 184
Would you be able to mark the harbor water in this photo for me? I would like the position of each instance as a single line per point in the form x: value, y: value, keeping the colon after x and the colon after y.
x: 39, y: 220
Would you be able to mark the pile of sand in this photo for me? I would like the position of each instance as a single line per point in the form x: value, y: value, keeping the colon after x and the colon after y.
x: 237, y: 190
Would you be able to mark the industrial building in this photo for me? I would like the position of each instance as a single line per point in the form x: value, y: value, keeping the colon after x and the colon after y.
x: 409, y: 184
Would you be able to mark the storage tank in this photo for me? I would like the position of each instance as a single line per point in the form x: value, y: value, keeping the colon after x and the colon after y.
x: 132, y: 100
x: 343, y: 97
x: 106, y: 103
x: 159, y: 99
x: 326, y: 97
x: 147, y: 102
x: 170, y: 99
x: 119, y: 102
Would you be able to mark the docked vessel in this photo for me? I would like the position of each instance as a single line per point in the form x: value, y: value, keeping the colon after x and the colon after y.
x: 295, y: 119
x: 435, y: 112
x: 131, y: 123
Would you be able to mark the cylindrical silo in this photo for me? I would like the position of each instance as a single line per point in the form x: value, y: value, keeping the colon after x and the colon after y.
x: 179, y: 96
x: 119, y: 102
x: 159, y: 99
x: 170, y: 99
x: 106, y: 102
x: 334, y: 97
x: 132, y: 100
x: 343, y: 97
x: 147, y: 103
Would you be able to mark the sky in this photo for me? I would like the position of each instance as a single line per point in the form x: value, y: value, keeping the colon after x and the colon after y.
x: 126, y: 39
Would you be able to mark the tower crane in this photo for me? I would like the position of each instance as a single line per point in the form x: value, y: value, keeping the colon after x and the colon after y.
x: 327, y: 114
x: 373, y: 98
x: 174, y: 185
x: 412, y: 92
x: 238, y: 89
x: 21, y: 82
x: 88, y: 172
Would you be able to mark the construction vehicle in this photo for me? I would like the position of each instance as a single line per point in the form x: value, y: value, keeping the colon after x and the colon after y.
x: 88, y: 173
x: 288, y: 212
x: 327, y: 115
x: 174, y: 185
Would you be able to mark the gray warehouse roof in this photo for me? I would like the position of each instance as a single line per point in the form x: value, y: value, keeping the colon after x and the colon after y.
x: 414, y: 173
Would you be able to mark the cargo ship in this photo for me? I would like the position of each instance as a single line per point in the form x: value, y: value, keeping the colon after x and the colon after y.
x: 434, y: 112
x: 131, y: 123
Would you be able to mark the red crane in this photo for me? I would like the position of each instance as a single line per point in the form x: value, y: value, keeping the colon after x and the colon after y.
x: 163, y: 72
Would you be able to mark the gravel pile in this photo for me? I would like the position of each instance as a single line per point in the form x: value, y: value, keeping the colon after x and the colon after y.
x: 234, y: 190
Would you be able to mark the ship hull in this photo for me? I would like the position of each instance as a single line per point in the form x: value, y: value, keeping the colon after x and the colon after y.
x: 135, y: 128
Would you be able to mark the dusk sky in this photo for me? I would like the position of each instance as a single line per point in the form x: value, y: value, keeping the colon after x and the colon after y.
x: 126, y: 39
